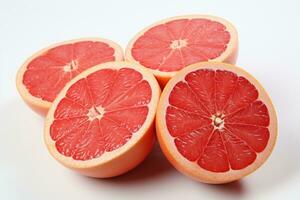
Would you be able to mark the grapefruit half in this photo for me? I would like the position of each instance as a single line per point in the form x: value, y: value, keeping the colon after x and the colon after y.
x: 44, y: 74
x: 174, y: 43
x: 215, y: 122
x: 102, y: 122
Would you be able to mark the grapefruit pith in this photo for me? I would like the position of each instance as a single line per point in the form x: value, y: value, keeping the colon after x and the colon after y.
x: 169, y: 45
x: 102, y: 122
x: 44, y: 74
x: 215, y: 122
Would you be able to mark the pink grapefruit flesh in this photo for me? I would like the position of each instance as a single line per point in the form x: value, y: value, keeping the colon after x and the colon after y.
x: 101, y: 116
x: 43, y: 75
x: 216, y: 123
x: 172, y: 44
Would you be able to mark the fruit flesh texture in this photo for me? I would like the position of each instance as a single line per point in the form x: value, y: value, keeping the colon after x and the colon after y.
x: 220, y: 124
x: 100, y: 113
x: 172, y: 46
x: 48, y: 73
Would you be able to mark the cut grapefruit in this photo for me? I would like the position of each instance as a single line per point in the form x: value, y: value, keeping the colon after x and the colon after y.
x: 102, y: 122
x: 44, y: 74
x: 215, y: 122
x: 172, y: 44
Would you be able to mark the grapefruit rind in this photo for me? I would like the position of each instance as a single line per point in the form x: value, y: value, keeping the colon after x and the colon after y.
x: 192, y: 169
x: 125, y: 157
x: 228, y: 56
x: 37, y: 104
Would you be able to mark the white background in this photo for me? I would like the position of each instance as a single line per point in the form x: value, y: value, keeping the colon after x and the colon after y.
x: 269, y: 34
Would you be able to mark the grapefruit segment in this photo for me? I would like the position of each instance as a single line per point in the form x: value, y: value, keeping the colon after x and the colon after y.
x: 215, y: 122
x: 136, y: 96
x: 99, y: 88
x: 255, y: 113
x: 125, y: 80
x: 225, y: 85
x: 255, y: 136
x: 80, y: 94
x: 189, y: 103
x: 202, y: 83
x: 182, y: 122
x: 61, y: 127
x: 214, y: 157
x: 193, y: 144
x: 240, y: 154
x: 101, y: 123
x: 244, y: 94
x: 91, y: 144
x: 44, y: 74
x: 170, y: 45
x: 69, y: 109
x: 129, y: 118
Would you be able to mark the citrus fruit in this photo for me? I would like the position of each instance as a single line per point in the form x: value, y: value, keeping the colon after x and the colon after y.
x: 44, y: 74
x: 215, y: 122
x: 172, y: 44
x: 102, y: 122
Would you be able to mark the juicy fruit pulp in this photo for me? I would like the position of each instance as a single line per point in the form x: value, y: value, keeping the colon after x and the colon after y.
x: 177, y: 43
x: 100, y: 113
x: 48, y: 73
x: 220, y: 124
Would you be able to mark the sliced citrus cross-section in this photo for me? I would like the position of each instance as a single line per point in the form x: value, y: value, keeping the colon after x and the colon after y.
x: 101, y: 123
x: 172, y: 44
x: 44, y: 74
x: 215, y: 122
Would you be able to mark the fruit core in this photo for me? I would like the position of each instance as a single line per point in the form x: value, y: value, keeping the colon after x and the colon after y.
x: 95, y: 113
x: 73, y: 65
x: 218, y: 121
x: 178, y: 44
